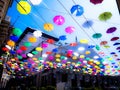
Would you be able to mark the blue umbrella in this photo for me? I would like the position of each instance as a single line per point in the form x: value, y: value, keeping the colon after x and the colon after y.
x: 117, y: 43
x: 77, y: 9
x: 87, y: 24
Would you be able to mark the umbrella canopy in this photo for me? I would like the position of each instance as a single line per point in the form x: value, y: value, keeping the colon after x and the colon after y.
x: 97, y: 35
x: 59, y: 20
x: 48, y: 27
x: 105, y: 16
x: 69, y: 29
x: 118, y: 48
x: 103, y: 42
x: 23, y: 7
x: 96, y: 1
x: 77, y: 9
x: 117, y: 43
x: 114, y: 38
x: 111, y: 30
x: 87, y: 24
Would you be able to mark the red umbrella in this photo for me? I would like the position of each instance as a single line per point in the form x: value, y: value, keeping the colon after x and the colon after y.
x: 114, y: 38
x: 96, y: 1
x: 103, y: 42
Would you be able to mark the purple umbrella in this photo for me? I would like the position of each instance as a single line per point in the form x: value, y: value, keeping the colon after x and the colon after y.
x: 118, y: 48
x: 111, y: 30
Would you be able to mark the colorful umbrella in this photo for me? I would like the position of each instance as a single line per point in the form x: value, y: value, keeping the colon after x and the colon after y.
x: 73, y: 44
x: 114, y: 38
x: 51, y: 41
x: 48, y: 27
x: 96, y: 1
x: 16, y: 31
x: 118, y: 48
x: 117, y: 43
x: 35, y: 2
x: 87, y: 24
x: 32, y: 39
x: 24, y: 7
x: 97, y: 35
x: 59, y: 20
x: 84, y: 41
x: 14, y: 38
x: 111, y: 30
x: 77, y: 9
x: 103, y: 42
x: 62, y: 37
x: 69, y: 29
x: 112, y: 53
x: 105, y: 16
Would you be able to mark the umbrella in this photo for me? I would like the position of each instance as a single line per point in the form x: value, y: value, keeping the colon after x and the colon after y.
x: 87, y: 24
x: 103, y: 42
x: 105, y: 16
x: 96, y: 1
x: 73, y: 44
x: 62, y: 37
x: 118, y: 48
x: 48, y: 27
x: 23, y: 7
x: 59, y: 20
x: 111, y: 30
x: 69, y: 29
x: 97, y: 35
x: 114, y: 38
x: 84, y: 41
x: 106, y: 46
x: 77, y: 9
x: 35, y: 2
x: 16, y: 31
x: 112, y: 53
x: 116, y: 44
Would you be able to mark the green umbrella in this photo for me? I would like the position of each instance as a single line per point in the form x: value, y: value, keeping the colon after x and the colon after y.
x: 27, y: 44
x: 17, y: 31
x: 34, y: 52
x: 105, y: 16
x: 97, y: 35
x: 97, y: 47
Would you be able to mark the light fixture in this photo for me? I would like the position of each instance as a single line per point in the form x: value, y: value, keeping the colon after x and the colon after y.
x: 81, y: 48
x: 35, y: 2
x: 37, y: 33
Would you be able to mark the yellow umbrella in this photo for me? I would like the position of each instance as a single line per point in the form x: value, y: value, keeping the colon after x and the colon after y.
x: 48, y: 27
x: 11, y: 43
x: 84, y: 41
x: 38, y: 49
x: 24, y: 7
x: 32, y: 39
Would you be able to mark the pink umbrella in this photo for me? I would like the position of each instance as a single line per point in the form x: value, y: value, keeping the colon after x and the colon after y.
x: 59, y: 20
x: 69, y: 29
x: 44, y: 45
